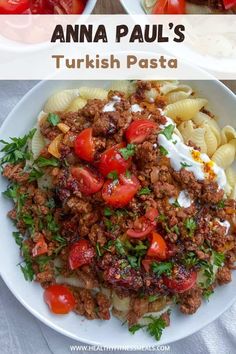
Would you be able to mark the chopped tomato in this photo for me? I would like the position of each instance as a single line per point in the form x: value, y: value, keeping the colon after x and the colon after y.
x: 171, y: 7
x: 119, y: 193
x: 182, y: 281
x: 152, y: 214
x: 41, y: 247
x: 142, y: 227
x: 89, y: 180
x: 78, y: 6
x: 146, y: 262
x: 81, y: 253
x: 139, y: 130
x: 11, y: 7
x: 158, y: 247
x: 84, y: 146
x: 112, y: 161
x: 59, y: 299
x: 229, y: 3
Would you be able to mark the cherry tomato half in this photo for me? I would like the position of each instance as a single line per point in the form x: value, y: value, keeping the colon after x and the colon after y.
x: 81, y: 253
x: 146, y: 262
x: 139, y: 130
x: 158, y: 247
x: 152, y: 214
x: 11, y: 7
x: 119, y: 193
x: 229, y: 3
x: 84, y: 146
x: 112, y: 160
x: 182, y: 281
x: 142, y: 227
x: 59, y: 299
x: 89, y: 180
x: 78, y: 6
x: 171, y: 7
x: 41, y: 247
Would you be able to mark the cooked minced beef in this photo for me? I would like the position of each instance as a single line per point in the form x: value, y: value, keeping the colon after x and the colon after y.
x: 120, y: 257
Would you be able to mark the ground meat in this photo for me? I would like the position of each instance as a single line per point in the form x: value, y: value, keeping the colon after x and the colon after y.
x: 97, y: 235
x: 103, y: 306
x: 165, y: 189
x: 223, y: 276
x: 47, y: 275
x: 105, y: 123
x: 190, y: 301
x: 15, y: 173
x: 86, y: 304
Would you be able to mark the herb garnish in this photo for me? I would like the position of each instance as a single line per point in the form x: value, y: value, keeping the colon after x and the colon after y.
x: 144, y: 191
x: 185, y: 164
x: 162, y: 268
x: 108, y: 211
x: 43, y: 162
x: 191, y: 225
x: 163, y: 151
x: 53, y: 119
x: 128, y: 151
x: 17, y: 150
x: 113, y: 175
x: 168, y: 131
x: 154, y: 327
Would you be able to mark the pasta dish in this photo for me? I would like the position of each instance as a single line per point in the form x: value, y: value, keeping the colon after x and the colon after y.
x: 124, y: 202
x: 172, y: 7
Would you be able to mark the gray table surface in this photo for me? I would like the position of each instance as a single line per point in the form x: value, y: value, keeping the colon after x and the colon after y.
x: 21, y: 333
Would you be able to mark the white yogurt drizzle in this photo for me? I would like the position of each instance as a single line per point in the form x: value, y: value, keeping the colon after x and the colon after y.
x: 183, y: 199
x: 183, y: 156
x: 225, y: 224
x: 136, y: 108
x: 110, y: 106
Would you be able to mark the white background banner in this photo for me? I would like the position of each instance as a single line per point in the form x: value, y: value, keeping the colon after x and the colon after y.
x: 119, y: 46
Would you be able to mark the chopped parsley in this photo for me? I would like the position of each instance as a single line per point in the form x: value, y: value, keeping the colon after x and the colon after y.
x: 120, y: 247
x: 18, y: 238
x: 98, y: 250
x: 35, y: 174
x: 26, y: 265
x: 221, y: 204
x: 191, y: 225
x: 168, y: 131
x: 108, y: 212
x: 152, y: 298
x: 207, y: 293
x: 113, y: 175
x: 162, y: 268
x: 218, y: 258
x: 128, y: 151
x: 185, y: 164
x: 144, y: 191
x: 163, y: 151
x: 43, y: 162
x: 176, y: 204
x: 190, y: 260
x: 53, y: 119
x: 17, y: 150
x: 109, y: 225
x: 154, y: 327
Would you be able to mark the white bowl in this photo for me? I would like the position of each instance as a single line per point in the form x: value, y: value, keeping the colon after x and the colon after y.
x: 108, y: 333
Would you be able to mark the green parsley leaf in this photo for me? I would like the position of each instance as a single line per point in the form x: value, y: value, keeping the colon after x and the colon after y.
x: 152, y: 298
x: 53, y: 119
x: 136, y: 327
x: 12, y: 191
x: 28, y: 219
x: 162, y: 268
x: 207, y: 293
x: 191, y: 225
x: 185, y: 164
x: 98, y: 250
x: 109, y: 224
x: 120, y: 247
x: 128, y: 151
x: 42, y: 261
x: 35, y: 174
x: 43, y: 162
x: 163, y: 151
x: 108, y: 212
x: 107, y: 246
x: 155, y: 327
x: 128, y: 174
x: 28, y: 272
x: 218, y: 259
x: 221, y: 204
x: 18, y: 238
x: 144, y: 191
x: 60, y: 239
x: 168, y: 131
x: 175, y: 229
x: 190, y: 260
x: 133, y: 261
x: 52, y: 225
x: 16, y: 150
x: 113, y: 175
x: 176, y: 203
